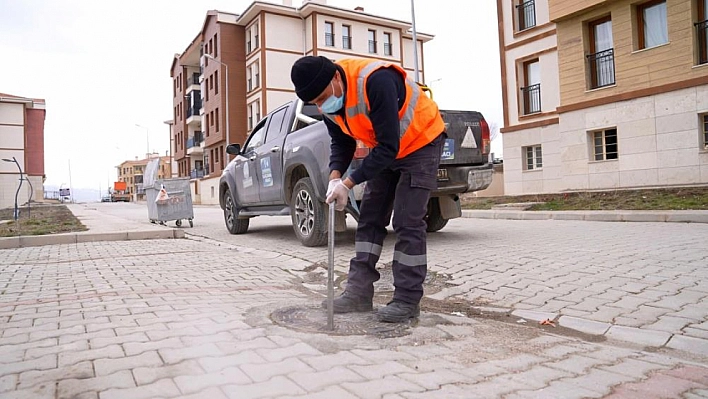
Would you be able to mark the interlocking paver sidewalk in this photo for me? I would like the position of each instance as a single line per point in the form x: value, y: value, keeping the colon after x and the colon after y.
x: 187, y: 318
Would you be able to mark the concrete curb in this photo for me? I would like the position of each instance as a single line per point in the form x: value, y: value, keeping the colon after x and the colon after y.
x: 592, y: 216
x: 75, y: 238
x: 641, y: 336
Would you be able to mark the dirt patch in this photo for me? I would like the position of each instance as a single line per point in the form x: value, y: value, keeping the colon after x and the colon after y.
x: 684, y: 198
x: 39, y: 220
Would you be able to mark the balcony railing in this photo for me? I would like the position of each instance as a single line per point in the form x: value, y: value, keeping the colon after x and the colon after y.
x: 388, y: 49
x: 602, y: 68
x: 702, y: 42
x: 329, y: 39
x: 199, y: 173
x: 193, y: 80
x: 347, y: 42
x: 196, y: 140
x: 532, y: 99
x: 526, y: 14
x: 372, y: 46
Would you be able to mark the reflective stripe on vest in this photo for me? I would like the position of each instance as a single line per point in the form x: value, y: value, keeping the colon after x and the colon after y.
x: 361, y: 109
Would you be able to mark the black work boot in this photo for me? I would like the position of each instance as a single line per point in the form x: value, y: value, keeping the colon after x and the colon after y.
x: 397, y: 312
x: 349, y: 302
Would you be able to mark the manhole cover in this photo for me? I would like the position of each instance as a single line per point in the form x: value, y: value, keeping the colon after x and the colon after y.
x: 314, y: 319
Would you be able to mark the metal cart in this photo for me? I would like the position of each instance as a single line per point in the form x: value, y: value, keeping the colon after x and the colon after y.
x: 178, y: 202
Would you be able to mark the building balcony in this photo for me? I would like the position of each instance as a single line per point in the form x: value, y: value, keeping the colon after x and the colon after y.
x: 193, y: 83
x: 602, y: 68
x: 195, y: 144
x: 199, y: 173
x: 532, y: 99
x: 702, y: 42
x: 194, y: 117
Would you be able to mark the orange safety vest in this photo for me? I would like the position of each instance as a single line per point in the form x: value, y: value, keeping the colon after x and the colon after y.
x: 420, y: 120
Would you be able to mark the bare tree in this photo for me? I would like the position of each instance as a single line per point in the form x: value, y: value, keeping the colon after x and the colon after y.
x: 493, y: 131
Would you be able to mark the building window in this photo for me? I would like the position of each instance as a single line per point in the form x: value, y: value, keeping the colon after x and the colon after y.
x: 329, y: 34
x: 534, y: 157
x: 372, y: 41
x: 258, y: 111
x: 248, y: 42
x: 652, y: 30
x: 216, y: 117
x: 526, y: 14
x: 250, y: 117
x: 216, y: 82
x: 601, y: 60
x: 256, y: 76
x: 702, y: 32
x: 388, y: 47
x: 704, y: 128
x: 216, y: 46
x: 255, y: 36
x: 605, y: 144
x: 347, y: 38
x: 531, y: 93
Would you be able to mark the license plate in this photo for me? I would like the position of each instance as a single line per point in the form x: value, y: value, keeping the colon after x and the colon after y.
x: 442, y: 175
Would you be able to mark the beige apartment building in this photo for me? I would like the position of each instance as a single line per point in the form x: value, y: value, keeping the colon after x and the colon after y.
x: 603, y: 94
x: 237, y: 69
x: 132, y: 173
x: 21, y: 140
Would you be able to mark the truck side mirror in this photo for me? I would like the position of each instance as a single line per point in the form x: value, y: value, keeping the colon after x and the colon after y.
x: 233, y: 149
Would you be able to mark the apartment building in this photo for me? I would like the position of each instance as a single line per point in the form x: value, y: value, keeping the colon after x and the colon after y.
x: 603, y: 94
x: 132, y: 173
x: 21, y: 138
x: 237, y: 69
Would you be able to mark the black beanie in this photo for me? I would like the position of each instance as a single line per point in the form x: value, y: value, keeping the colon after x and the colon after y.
x: 311, y: 75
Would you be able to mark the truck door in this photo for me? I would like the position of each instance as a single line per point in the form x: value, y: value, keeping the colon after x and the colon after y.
x: 269, y: 158
x: 247, y: 179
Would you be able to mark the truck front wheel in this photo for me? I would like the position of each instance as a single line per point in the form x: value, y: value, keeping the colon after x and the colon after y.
x: 308, y: 215
x: 434, y: 217
x: 233, y: 224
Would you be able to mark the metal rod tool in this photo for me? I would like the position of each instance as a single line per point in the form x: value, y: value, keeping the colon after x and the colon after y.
x: 330, y: 270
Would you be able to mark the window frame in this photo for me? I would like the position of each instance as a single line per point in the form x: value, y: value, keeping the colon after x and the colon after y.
x: 536, y: 158
x: 592, y: 63
x: 518, y: 8
x: 704, y: 131
x: 347, y: 39
x: 329, y: 40
x: 641, y: 41
x: 526, y: 97
x: 388, y: 43
x: 372, y: 33
x: 604, y: 145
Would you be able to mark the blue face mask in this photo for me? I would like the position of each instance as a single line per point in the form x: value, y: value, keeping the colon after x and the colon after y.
x: 332, y: 104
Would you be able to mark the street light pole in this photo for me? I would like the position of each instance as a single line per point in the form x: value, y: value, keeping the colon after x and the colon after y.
x: 147, y: 140
x: 226, y: 114
x: 415, y: 43
x: 16, y: 214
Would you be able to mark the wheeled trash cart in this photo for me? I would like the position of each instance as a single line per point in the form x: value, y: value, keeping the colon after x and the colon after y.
x: 168, y: 199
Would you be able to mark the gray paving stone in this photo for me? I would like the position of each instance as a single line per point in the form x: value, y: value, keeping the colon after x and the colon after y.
x: 195, y: 383
x: 278, y: 386
x: 162, y: 388
x: 32, y: 378
x: 583, y: 325
x: 265, y: 371
x: 109, y: 366
x: 325, y: 362
x: 689, y: 344
x: 69, y: 358
x: 638, y: 336
x: 329, y: 393
x: 319, y: 380
x: 70, y: 388
x: 299, y: 349
x: 147, y: 375
x: 41, y: 363
x: 8, y: 382
x: 376, y: 388
x: 43, y: 391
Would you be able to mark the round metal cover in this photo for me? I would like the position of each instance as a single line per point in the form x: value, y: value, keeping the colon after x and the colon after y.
x: 314, y: 319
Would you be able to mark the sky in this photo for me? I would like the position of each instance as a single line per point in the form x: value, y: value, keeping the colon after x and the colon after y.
x: 103, y: 67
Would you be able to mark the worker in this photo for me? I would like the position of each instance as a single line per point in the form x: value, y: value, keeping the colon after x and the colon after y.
x: 374, y: 102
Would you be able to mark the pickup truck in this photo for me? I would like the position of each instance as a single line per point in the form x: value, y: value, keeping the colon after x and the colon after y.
x: 283, y: 169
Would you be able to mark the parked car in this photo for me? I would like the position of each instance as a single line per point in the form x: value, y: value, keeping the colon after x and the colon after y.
x: 283, y: 169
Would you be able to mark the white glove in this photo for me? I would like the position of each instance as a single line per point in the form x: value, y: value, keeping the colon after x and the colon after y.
x: 338, y: 192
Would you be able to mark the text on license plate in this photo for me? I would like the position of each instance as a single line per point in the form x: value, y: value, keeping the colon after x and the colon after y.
x: 442, y: 175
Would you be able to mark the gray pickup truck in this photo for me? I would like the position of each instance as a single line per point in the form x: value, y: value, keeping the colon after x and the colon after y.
x: 283, y: 169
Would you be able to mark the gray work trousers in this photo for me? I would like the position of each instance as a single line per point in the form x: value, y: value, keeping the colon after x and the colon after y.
x: 402, y: 189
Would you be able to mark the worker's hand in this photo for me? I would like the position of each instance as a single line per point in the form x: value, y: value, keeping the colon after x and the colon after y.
x: 338, y: 192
